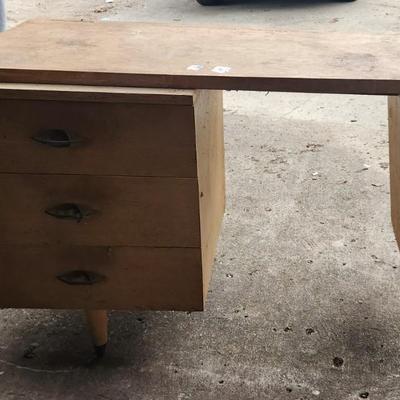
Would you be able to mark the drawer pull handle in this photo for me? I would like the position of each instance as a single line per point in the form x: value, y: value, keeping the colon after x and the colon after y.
x: 81, y: 278
x: 70, y: 211
x: 56, y: 138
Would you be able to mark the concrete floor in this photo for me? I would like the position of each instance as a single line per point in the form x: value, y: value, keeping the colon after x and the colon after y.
x: 306, y: 275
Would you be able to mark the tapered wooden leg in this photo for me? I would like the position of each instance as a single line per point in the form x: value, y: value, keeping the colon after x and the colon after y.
x: 98, y: 325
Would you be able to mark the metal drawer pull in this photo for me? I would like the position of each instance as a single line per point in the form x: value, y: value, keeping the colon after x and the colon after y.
x: 70, y: 211
x: 56, y: 138
x: 81, y: 277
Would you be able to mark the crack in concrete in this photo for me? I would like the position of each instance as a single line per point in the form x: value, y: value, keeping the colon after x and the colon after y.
x: 48, y: 371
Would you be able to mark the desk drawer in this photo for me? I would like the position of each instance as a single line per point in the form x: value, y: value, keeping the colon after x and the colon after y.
x: 81, y: 137
x: 130, y: 278
x: 99, y: 211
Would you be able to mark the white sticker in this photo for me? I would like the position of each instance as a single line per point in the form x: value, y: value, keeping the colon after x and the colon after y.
x: 195, y: 67
x: 221, y: 70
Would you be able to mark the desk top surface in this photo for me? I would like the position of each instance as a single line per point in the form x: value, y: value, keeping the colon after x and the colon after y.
x: 199, y: 57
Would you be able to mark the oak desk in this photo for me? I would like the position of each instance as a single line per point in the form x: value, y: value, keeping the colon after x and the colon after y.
x: 111, y: 151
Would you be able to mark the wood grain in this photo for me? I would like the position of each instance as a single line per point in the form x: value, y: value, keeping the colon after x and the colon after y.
x: 159, y: 55
x: 130, y: 211
x: 211, y: 174
x: 117, y: 138
x: 137, y: 278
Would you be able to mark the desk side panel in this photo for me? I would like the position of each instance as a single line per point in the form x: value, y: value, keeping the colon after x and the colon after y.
x: 394, y: 155
x: 211, y: 174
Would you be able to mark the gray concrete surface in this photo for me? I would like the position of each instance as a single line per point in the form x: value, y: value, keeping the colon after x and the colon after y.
x: 307, y: 269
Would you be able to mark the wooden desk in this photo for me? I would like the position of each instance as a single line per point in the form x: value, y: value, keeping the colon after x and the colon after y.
x: 112, y: 195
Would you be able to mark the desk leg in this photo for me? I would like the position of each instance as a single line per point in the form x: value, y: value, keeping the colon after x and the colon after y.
x: 98, y: 325
x: 394, y: 156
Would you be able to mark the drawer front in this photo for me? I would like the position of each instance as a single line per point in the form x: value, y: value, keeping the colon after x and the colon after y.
x: 71, y: 137
x: 99, y: 211
x: 127, y: 278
